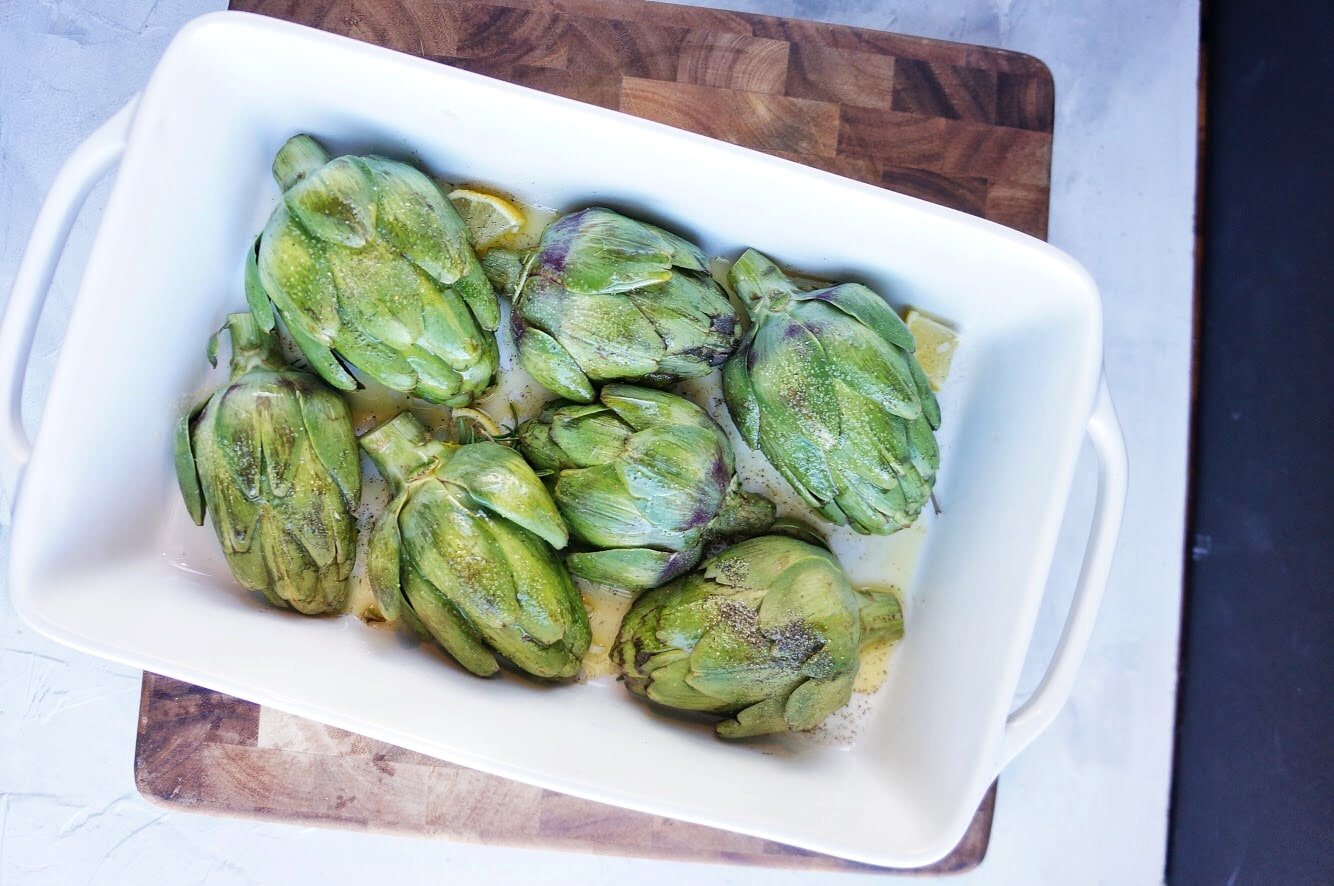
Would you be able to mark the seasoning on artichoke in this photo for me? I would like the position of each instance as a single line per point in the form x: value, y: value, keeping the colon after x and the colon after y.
x: 825, y: 384
x: 367, y: 262
x: 271, y: 455
x: 606, y: 297
x: 464, y: 553
x: 767, y: 633
x: 645, y: 478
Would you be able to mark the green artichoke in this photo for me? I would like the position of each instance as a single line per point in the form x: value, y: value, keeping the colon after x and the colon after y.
x: 366, y: 261
x: 768, y: 633
x: 645, y: 478
x: 826, y: 385
x: 463, y: 552
x: 606, y: 297
x: 271, y: 455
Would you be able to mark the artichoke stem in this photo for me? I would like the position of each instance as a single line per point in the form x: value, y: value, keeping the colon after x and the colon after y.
x: 755, y: 278
x: 881, y: 615
x: 299, y: 157
x: 742, y: 513
x: 252, y: 346
x: 401, y: 448
x: 504, y: 270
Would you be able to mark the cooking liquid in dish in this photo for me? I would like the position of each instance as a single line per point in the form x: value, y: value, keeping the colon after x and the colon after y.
x: 881, y: 562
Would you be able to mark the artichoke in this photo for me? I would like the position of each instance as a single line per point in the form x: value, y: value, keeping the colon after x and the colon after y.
x: 825, y: 384
x: 366, y: 261
x: 606, y: 297
x: 271, y: 455
x: 768, y: 633
x: 464, y: 554
x: 645, y: 478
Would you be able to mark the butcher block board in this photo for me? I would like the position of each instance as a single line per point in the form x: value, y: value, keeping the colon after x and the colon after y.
x: 967, y: 127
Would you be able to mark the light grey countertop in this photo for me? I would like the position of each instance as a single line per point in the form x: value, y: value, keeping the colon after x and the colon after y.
x: 1086, y: 804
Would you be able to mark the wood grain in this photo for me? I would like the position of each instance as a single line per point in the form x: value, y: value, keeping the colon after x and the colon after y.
x: 273, y: 765
x: 754, y: 119
x: 964, y: 126
x: 968, y: 126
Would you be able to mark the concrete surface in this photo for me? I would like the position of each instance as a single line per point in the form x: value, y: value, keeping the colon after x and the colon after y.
x: 1086, y: 804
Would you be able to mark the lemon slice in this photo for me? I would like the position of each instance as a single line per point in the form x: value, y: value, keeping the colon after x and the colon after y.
x: 489, y: 218
x: 936, y: 344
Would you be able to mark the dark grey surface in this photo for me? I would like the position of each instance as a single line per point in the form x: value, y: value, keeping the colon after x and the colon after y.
x: 1253, y: 800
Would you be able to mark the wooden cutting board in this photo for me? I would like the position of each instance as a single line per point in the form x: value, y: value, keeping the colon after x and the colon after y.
x: 964, y: 126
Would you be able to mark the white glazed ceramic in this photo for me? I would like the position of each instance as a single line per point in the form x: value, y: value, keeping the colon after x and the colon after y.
x: 104, y: 558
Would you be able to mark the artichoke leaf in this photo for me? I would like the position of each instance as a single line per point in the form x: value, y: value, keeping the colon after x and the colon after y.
x: 500, y: 480
x: 810, y: 594
x: 925, y: 451
x: 927, y: 397
x: 866, y: 363
x: 539, y: 448
x: 255, y: 294
x: 610, y: 253
x: 794, y: 382
x: 292, y: 575
x: 380, y: 294
x: 446, y: 543
x: 693, y: 611
x: 606, y: 335
x: 641, y: 407
x: 661, y: 467
x: 294, y: 272
x: 553, y: 367
x: 329, y: 430
x: 187, y: 471
x: 537, y: 578
x: 862, y: 304
x: 599, y: 511
x: 762, y: 718
x: 436, y: 382
x: 668, y: 686
x: 684, y: 313
x: 238, y: 441
x: 477, y: 293
x: 873, y: 509
x: 376, y: 359
x: 384, y: 559
x: 758, y: 562
x: 335, y: 203
x: 740, y: 396
x: 443, y: 621
x: 801, y: 461
x: 814, y: 700
x: 632, y: 568
x: 683, y: 253
x: 589, y: 435
x: 418, y: 220
x: 315, y: 514
x: 727, y: 664
x: 451, y: 330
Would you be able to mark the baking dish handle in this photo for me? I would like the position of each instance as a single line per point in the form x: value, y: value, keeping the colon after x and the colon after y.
x: 84, y: 168
x: 1041, y: 708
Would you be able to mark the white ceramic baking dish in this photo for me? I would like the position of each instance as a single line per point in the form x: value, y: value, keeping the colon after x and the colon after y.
x: 104, y: 559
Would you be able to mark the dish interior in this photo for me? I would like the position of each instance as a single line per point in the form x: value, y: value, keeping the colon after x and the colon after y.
x: 104, y: 556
